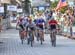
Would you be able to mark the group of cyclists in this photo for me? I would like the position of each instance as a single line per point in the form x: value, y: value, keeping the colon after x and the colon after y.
x: 36, y: 26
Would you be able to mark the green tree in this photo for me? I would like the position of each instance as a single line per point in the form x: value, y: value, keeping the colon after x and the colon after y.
x: 64, y: 9
x: 54, y: 4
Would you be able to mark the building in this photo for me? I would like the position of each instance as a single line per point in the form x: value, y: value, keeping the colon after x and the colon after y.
x: 9, y: 1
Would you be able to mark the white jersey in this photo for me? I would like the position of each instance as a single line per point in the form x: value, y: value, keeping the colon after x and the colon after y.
x: 30, y: 25
x: 25, y: 21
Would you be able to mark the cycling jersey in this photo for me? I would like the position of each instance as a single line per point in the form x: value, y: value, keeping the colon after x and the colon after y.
x: 52, y: 24
x: 21, y: 24
x: 25, y: 21
x: 36, y: 21
x: 31, y: 26
x: 41, y: 23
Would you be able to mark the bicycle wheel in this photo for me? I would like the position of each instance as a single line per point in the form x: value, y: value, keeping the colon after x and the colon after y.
x: 41, y: 41
x: 54, y: 43
x: 38, y: 36
x: 22, y: 41
x: 31, y: 43
x: 21, y: 37
x: 31, y: 38
x: 28, y: 41
x: 54, y: 39
x: 41, y: 38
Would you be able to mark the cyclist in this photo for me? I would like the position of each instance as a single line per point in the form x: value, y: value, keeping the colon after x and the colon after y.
x: 53, y: 26
x: 25, y: 21
x: 22, y: 32
x: 40, y: 23
x: 36, y: 21
x: 31, y: 27
x: 20, y: 23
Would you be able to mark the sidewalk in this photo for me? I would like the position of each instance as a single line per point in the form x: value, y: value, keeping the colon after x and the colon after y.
x: 68, y: 35
x: 64, y: 34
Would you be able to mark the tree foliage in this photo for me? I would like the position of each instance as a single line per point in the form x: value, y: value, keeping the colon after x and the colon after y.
x: 64, y: 9
x: 54, y: 5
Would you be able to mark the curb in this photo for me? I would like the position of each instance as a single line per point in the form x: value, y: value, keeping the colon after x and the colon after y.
x: 70, y: 37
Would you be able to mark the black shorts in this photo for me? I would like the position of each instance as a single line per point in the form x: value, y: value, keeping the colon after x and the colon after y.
x: 32, y: 28
x: 52, y: 27
x: 41, y: 27
x: 21, y: 26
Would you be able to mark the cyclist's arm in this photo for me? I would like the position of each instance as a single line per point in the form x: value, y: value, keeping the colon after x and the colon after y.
x: 17, y: 23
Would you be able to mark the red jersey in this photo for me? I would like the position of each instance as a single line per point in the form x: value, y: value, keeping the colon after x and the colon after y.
x: 52, y: 22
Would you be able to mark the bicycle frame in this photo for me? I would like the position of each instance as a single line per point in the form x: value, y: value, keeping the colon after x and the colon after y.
x: 40, y: 35
x: 22, y: 34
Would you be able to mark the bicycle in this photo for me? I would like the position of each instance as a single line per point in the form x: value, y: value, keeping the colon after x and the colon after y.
x: 53, y: 37
x: 23, y: 35
x: 40, y: 36
x: 31, y: 37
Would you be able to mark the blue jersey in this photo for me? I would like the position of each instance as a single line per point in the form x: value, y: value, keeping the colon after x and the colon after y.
x: 40, y: 21
x: 36, y: 21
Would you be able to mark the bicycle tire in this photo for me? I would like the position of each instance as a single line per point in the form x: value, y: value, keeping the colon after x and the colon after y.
x: 31, y: 38
x: 37, y: 36
x: 54, y: 43
x: 28, y: 41
x: 21, y: 37
x: 41, y: 39
x: 53, y: 39
x: 22, y: 41
x: 31, y: 43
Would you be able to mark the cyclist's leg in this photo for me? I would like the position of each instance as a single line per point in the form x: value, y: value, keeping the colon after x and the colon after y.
x: 54, y: 38
x: 20, y: 34
x: 26, y: 32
